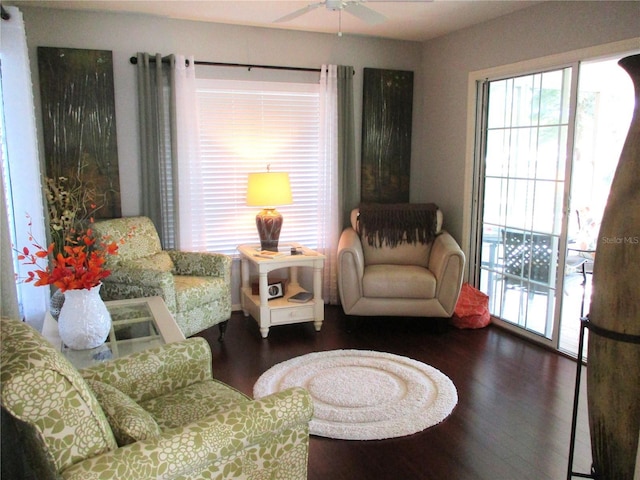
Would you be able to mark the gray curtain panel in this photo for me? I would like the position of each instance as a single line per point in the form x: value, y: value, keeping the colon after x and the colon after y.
x: 157, y: 126
x: 349, y: 177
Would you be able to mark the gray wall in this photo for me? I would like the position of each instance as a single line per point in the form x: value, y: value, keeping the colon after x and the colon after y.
x: 126, y: 34
x: 441, y: 67
x: 546, y: 29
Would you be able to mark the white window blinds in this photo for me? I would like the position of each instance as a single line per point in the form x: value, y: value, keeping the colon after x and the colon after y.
x: 243, y: 127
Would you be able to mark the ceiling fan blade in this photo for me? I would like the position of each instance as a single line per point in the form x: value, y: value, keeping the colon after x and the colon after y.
x: 365, y: 14
x: 298, y: 13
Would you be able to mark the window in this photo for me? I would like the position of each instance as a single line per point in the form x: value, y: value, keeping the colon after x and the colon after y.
x: 20, y: 165
x: 244, y: 127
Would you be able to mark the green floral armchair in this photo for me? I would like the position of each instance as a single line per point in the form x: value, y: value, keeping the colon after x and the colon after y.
x: 152, y: 415
x: 196, y: 286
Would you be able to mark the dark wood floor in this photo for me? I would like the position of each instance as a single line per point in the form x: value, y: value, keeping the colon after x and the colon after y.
x: 512, y: 420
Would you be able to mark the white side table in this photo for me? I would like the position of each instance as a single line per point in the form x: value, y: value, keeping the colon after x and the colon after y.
x: 280, y: 311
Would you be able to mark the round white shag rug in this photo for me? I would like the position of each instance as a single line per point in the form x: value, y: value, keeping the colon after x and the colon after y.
x: 363, y: 394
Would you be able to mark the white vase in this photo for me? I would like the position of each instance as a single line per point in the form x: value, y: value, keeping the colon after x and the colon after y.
x: 84, y: 320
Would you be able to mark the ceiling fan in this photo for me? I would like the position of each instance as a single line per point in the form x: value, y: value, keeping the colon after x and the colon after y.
x: 354, y: 7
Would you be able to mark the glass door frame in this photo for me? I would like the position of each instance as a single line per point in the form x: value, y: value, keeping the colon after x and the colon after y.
x: 472, y: 213
x: 550, y: 336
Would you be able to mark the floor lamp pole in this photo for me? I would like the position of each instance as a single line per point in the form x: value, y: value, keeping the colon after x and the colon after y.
x: 584, y: 324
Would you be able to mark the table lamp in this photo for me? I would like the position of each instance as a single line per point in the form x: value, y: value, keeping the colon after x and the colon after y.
x: 266, y: 190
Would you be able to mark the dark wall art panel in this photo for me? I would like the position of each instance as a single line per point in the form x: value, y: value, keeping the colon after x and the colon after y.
x: 79, y: 127
x: 386, y: 135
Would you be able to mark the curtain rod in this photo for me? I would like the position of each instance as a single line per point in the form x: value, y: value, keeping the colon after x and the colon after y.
x: 134, y: 61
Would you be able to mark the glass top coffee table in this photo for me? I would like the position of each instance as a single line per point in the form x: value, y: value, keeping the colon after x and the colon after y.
x: 136, y: 324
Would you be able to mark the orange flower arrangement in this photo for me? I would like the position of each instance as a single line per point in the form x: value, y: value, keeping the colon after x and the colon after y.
x: 79, y: 266
x: 71, y: 205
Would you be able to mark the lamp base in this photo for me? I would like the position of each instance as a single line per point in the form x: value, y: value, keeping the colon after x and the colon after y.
x: 269, y: 223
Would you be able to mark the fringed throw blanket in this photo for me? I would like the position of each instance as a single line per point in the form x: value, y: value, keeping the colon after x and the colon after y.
x: 394, y: 223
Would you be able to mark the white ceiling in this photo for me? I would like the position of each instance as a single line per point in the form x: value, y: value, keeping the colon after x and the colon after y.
x: 416, y: 20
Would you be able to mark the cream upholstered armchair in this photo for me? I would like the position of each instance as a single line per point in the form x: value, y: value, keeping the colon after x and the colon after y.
x: 196, y: 286
x: 156, y: 414
x: 396, y: 260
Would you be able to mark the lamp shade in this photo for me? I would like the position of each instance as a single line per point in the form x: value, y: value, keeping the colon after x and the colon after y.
x: 268, y: 189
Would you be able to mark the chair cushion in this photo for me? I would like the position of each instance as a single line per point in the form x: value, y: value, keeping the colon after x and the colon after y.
x: 398, y: 281
x: 40, y: 387
x: 195, y: 402
x: 160, y: 262
x: 129, y: 421
x: 192, y: 292
x: 139, y: 234
x: 403, y: 254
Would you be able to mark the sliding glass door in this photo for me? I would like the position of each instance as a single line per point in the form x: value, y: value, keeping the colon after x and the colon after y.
x: 548, y: 143
x: 603, y: 114
x: 525, y: 150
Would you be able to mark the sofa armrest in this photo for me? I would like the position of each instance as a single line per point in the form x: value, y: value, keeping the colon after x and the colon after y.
x: 156, y: 371
x: 350, y: 268
x: 188, y: 450
x: 201, y: 264
x: 446, y: 262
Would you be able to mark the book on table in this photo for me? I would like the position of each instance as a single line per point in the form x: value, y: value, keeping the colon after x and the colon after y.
x: 269, y: 254
x: 301, y: 297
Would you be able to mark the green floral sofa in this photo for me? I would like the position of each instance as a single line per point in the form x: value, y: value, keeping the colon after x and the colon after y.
x: 196, y: 286
x: 152, y: 415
